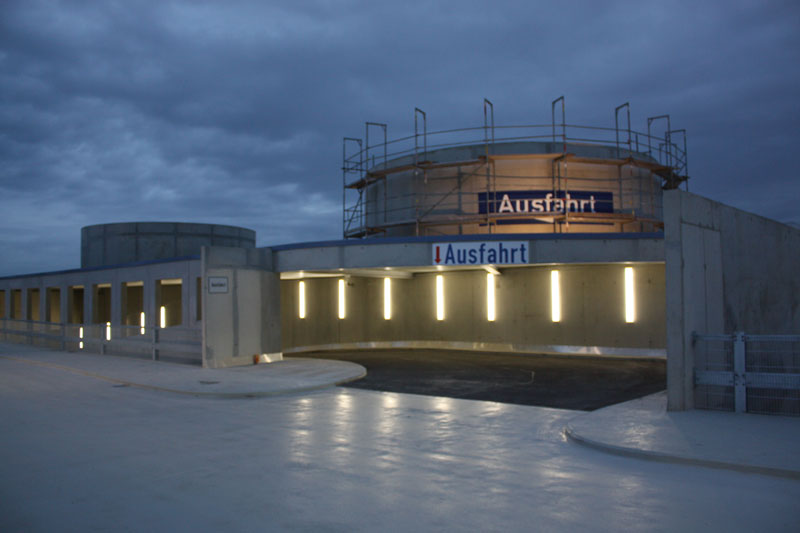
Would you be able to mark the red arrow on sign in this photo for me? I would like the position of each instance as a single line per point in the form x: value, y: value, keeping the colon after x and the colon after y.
x: 438, y: 259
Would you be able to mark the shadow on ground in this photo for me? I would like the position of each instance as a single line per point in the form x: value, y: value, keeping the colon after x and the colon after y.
x: 567, y: 382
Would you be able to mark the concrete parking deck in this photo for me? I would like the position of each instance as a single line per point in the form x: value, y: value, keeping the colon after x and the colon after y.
x: 640, y: 428
x: 643, y: 428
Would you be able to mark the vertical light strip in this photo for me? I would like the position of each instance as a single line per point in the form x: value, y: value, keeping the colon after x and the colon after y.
x: 387, y: 298
x: 108, y: 331
x: 630, y: 297
x: 555, y: 296
x: 80, y: 335
x: 301, y: 300
x: 341, y: 299
x: 163, y: 316
x: 439, y: 297
x: 490, y: 304
x: 141, y: 323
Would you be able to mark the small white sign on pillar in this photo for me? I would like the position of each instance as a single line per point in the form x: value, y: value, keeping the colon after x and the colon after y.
x: 218, y: 284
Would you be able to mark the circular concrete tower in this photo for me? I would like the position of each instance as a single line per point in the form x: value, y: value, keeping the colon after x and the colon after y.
x: 134, y: 242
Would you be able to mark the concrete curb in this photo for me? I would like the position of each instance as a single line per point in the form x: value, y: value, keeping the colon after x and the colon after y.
x: 661, y: 457
x: 229, y: 395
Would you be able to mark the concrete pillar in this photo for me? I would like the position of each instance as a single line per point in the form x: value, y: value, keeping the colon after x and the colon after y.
x: 64, y: 303
x: 88, y: 303
x: 24, y: 303
x: 149, y: 302
x: 116, y: 302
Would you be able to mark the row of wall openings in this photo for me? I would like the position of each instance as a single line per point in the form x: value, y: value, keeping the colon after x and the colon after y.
x: 168, y: 297
x: 491, y: 300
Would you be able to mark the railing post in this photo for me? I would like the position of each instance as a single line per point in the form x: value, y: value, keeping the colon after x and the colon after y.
x: 739, y: 376
x: 155, y: 343
x: 63, y: 329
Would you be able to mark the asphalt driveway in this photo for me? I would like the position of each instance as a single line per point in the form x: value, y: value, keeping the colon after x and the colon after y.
x: 568, y: 382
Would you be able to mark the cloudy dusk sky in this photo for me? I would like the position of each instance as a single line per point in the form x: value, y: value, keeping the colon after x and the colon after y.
x: 233, y: 112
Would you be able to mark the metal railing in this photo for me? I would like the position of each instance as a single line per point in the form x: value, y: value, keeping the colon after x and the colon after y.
x: 179, y: 344
x: 747, y: 373
x: 363, y: 164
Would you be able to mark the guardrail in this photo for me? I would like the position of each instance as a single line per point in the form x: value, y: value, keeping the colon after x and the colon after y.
x: 747, y: 373
x: 181, y: 344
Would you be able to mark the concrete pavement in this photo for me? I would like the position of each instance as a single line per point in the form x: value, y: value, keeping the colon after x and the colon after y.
x: 266, y: 379
x: 640, y: 428
x: 643, y: 428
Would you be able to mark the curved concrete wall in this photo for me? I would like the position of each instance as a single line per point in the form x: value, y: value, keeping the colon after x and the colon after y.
x: 131, y: 242
x: 593, y: 312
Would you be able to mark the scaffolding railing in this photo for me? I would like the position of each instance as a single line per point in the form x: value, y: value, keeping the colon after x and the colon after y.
x: 660, y: 154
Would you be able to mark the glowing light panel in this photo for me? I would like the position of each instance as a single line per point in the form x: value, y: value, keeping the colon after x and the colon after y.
x: 301, y: 300
x: 387, y: 298
x: 163, y: 316
x: 439, y: 297
x: 341, y: 298
x: 490, y: 303
x: 108, y: 331
x: 80, y: 335
x: 630, y: 297
x: 141, y: 323
x: 555, y: 296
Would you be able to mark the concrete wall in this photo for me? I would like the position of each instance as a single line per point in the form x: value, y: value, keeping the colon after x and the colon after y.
x: 243, y: 321
x: 130, y: 242
x: 593, y: 319
x: 726, y: 270
x: 96, y: 295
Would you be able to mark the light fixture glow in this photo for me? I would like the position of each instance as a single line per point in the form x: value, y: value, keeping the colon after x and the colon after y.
x: 108, y: 331
x: 439, y: 297
x: 630, y: 297
x: 387, y: 298
x: 341, y: 299
x: 301, y: 300
x: 490, y: 304
x: 141, y: 323
x: 80, y: 335
x: 163, y: 320
x: 555, y: 296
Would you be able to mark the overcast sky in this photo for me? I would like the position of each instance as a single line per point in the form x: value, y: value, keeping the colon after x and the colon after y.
x: 233, y: 112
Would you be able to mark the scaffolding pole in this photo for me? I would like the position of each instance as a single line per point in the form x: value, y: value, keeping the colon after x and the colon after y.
x: 488, y: 122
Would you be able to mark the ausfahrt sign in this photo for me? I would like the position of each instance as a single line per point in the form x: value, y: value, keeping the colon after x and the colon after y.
x: 480, y: 253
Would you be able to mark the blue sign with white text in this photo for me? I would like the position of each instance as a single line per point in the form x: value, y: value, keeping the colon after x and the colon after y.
x: 544, y: 202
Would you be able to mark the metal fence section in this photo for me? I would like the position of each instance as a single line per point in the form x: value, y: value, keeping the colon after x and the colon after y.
x: 748, y: 373
x: 176, y: 344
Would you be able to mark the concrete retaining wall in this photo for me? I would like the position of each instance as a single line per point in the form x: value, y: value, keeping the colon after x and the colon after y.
x: 726, y: 270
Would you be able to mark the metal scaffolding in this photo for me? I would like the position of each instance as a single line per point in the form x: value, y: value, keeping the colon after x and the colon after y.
x: 371, y: 206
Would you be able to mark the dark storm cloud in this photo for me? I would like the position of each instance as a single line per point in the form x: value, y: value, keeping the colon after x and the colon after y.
x: 234, y: 112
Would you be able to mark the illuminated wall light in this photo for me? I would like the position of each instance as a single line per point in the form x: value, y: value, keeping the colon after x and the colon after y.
x: 80, y: 335
x: 341, y: 299
x: 108, y: 331
x: 387, y: 298
x: 301, y: 299
x: 439, y: 297
x: 555, y: 296
x: 490, y: 302
x: 141, y: 323
x: 630, y: 297
x: 163, y: 321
